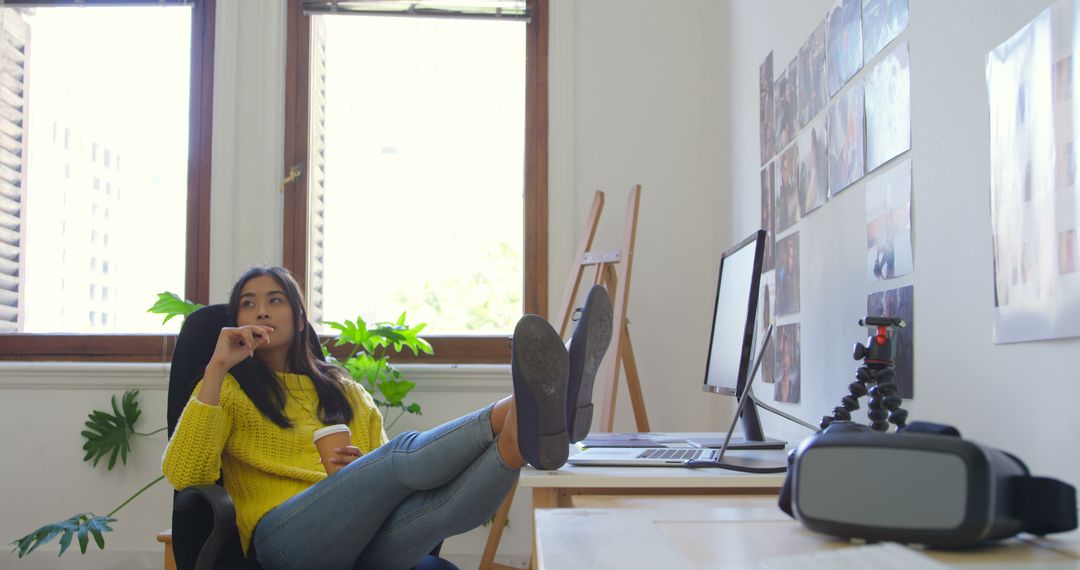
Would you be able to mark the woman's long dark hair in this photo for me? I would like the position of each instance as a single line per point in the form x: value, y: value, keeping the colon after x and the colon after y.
x: 261, y: 384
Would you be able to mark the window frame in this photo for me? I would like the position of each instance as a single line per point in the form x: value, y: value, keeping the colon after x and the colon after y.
x: 449, y: 349
x: 149, y: 347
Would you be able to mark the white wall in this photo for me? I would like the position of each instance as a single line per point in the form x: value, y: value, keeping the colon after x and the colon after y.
x: 1017, y: 397
x: 640, y: 100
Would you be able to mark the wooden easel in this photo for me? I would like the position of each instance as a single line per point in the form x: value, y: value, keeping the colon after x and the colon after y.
x: 618, y: 286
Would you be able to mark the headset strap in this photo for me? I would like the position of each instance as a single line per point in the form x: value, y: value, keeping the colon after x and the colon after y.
x: 1045, y: 505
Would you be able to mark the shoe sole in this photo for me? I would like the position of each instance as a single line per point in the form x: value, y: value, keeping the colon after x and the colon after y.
x: 540, y: 368
x: 594, y: 331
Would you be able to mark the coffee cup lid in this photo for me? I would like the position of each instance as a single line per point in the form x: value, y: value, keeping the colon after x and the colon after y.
x: 321, y: 432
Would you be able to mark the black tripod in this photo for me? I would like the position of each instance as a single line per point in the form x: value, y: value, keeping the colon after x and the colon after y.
x: 875, y: 377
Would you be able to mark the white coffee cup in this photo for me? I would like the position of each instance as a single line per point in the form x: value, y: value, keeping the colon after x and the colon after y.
x: 328, y: 439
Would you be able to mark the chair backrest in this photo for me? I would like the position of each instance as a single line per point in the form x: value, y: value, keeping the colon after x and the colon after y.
x: 194, y: 346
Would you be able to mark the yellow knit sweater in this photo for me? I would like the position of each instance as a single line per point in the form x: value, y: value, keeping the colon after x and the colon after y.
x: 264, y: 464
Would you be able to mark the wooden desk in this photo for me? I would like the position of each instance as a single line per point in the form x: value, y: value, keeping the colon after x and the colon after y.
x: 737, y: 537
x: 562, y: 488
x: 551, y: 489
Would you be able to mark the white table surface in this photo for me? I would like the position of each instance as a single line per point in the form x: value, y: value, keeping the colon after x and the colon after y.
x: 739, y: 537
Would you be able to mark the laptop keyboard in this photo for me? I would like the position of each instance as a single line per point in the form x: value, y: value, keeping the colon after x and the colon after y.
x: 665, y: 453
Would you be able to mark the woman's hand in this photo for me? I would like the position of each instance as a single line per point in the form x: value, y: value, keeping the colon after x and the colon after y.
x: 237, y: 343
x: 345, y: 455
x: 234, y: 344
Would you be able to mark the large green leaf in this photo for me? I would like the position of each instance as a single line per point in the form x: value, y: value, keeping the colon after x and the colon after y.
x: 395, y: 390
x: 350, y: 332
x: 363, y: 367
x: 171, y: 305
x: 82, y: 525
x: 110, y: 434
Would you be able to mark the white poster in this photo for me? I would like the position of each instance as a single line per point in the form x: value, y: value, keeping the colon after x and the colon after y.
x: 1032, y: 192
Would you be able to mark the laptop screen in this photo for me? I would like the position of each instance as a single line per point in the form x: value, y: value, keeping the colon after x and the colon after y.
x: 731, y: 345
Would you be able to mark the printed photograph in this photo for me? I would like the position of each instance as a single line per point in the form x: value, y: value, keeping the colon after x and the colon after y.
x: 767, y: 219
x: 787, y: 194
x: 1064, y: 155
x: 888, y: 108
x: 787, y: 275
x: 1067, y: 260
x: 765, y: 94
x: 1063, y: 78
x: 784, y: 103
x: 888, y: 224
x: 786, y: 374
x: 813, y: 166
x: 845, y: 130
x: 882, y: 20
x: 1029, y: 109
x: 766, y: 297
x: 898, y: 303
x: 812, y: 89
x: 844, y: 44
x: 1065, y: 166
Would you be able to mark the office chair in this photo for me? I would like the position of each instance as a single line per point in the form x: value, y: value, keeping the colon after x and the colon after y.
x: 204, y: 518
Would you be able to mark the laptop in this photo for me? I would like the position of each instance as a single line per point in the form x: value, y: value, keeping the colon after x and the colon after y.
x: 688, y: 456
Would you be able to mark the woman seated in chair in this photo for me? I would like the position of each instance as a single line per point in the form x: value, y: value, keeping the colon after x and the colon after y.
x: 264, y: 393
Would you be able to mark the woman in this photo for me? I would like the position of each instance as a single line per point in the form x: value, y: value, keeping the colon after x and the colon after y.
x: 264, y: 393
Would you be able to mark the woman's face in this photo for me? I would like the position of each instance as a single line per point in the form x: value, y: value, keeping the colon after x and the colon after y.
x: 263, y: 302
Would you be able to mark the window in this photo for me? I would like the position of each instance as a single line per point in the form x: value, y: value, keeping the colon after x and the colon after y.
x: 161, y: 109
x: 97, y: 183
x: 107, y: 158
x: 442, y: 177
x: 93, y: 291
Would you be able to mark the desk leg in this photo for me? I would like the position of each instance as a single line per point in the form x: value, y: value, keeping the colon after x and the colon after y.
x: 542, y: 499
x: 487, y: 561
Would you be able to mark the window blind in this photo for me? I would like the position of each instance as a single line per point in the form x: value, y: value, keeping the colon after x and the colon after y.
x: 480, y: 9
x: 14, y: 38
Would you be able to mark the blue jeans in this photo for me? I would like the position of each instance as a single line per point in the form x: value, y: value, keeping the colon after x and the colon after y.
x: 389, y: 508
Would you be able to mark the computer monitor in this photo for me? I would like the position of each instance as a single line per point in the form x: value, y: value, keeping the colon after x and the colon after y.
x: 731, y: 345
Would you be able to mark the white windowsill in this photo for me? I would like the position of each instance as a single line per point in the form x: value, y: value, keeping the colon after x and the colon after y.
x: 154, y: 376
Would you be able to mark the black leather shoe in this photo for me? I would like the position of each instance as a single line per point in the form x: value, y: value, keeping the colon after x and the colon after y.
x: 591, y: 338
x: 539, y: 365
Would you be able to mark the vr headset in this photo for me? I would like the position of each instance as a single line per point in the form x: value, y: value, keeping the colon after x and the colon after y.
x: 924, y: 485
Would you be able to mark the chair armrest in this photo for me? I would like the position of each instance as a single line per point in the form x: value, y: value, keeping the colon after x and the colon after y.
x: 222, y: 514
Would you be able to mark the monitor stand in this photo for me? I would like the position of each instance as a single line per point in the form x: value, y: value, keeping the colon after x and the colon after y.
x: 753, y: 435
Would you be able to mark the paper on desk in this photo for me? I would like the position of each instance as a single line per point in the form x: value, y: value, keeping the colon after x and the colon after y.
x: 885, y: 556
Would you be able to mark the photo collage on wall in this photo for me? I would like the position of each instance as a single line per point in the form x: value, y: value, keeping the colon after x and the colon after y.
x: 837, y: 112
x: 1033, y: 197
